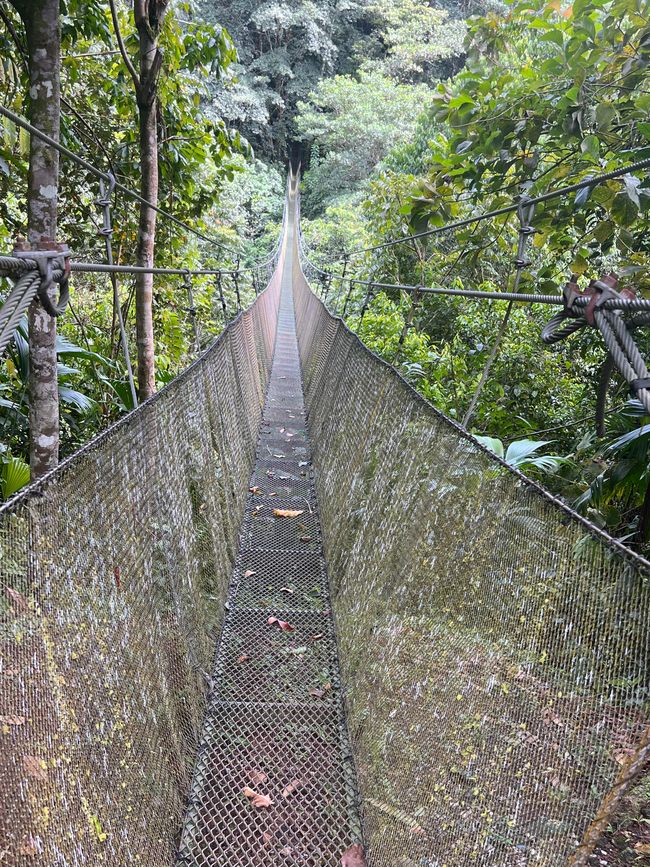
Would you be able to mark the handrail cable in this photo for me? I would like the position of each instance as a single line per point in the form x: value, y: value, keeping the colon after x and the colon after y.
x: 105, y: 176
x: 506, y: 209
x: 520, y: 297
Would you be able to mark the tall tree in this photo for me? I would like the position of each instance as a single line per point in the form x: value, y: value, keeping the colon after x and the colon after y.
x: 148, y: 17
x: 42, y: 27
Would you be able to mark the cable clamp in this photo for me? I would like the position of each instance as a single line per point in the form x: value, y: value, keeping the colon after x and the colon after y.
x: 104, y: 198
x: 637, y: 384
x: 46, y: 258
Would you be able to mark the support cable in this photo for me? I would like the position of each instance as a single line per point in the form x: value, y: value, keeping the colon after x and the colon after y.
x: 615, y: 331
x: 106, y: 231
x: 105, y: 176
x: 525, y: 211
x: 507, y: 209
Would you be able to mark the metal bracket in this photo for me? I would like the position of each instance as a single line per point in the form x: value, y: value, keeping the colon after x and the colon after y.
x: 45, y: 260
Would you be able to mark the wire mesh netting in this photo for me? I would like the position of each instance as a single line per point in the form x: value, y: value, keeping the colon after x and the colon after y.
x: 170, y: 640
x: 493, y: 648
x: 113, y: 577
x: 274, y: 783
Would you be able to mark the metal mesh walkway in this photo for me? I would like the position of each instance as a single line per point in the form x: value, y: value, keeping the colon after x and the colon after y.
x: 274, y: 781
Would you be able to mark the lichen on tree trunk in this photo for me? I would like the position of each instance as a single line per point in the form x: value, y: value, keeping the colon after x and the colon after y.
x: 41, y: 19
x: 148, y: 15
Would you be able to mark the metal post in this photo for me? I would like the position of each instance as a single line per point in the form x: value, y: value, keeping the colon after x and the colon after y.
x: 236, y: 282
x: 408, y: 322
x: 328, y: 286
x: 222, y: 298
x: 104, y: 202
x: 368, y: 299
x: 191, y: 309
x: 525, y: 211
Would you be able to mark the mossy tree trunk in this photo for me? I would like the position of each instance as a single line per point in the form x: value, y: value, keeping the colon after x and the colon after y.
x: 42, y: 26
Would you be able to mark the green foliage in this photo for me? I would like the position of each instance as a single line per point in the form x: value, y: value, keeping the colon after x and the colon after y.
x: 418, y: 37
x: 524, y: 454
x: 356, y: 120
x: 15, y: 475
x: 549, y: 94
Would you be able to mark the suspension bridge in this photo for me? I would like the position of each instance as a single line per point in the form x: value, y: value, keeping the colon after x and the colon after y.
x: 287, y: 613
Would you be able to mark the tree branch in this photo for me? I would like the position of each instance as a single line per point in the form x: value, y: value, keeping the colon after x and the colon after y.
x: 121, y: 46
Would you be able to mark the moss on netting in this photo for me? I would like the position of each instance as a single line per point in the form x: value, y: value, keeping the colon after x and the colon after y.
x: 494, y: 654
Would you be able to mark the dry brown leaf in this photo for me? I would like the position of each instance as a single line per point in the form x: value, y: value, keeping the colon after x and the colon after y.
x: 17, y: 599
x: 287, y: 513
x: 293, y: 785
x: 256, y: 799
x: 28, y: 847
x: 354, y: 857
x: 249, y: 573
x: 12, y: 720
x: 320, y: 692
x: 255, y: 490
x: 256, y: 777
x: 642, y: 848
x: 284, y: 626
x: 243, y: 658
x: 34, y: 767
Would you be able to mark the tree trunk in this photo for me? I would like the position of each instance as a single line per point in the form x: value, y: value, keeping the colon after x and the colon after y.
x: 148, y: 15
x: 41, y: 19
x: 145, y: 250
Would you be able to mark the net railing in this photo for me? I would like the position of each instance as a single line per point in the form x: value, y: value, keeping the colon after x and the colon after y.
x: 114, y: 571
x: 494, y: 646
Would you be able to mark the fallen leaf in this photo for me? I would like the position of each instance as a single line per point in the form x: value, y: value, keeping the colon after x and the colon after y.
x: 287, y: 513
x: 256, y: 777
x: 305, y: 538
x: 256, y: 799
x: 28, y: 847
x: 272, y: 494
x: 642, y: 848
x: 243, y: 658
x: 286, y: 590
x: 320, y: 692
x: 17, y: 599
x: 249, y: 572
x: 12, y: 720
x: 317, y: 636
x: 293, y: 785
x: 284, y: 626
x: 354, y: 857
x: 34, y: 767
x: 255, y: 490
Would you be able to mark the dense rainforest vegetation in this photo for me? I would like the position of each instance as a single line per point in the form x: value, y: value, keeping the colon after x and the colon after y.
x: 406, y: 115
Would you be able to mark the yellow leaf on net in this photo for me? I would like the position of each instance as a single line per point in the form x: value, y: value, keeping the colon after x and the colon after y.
x: 287, y: 513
